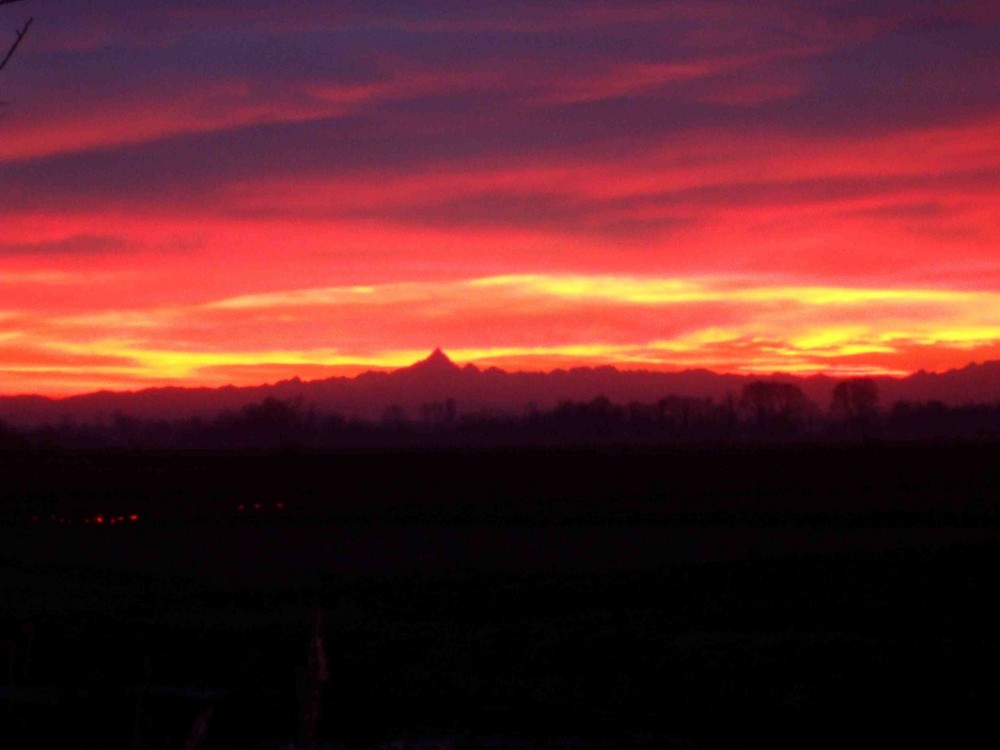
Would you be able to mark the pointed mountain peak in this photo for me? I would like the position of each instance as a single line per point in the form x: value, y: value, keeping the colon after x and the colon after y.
x: 438, y: 356
x: 437, y: 362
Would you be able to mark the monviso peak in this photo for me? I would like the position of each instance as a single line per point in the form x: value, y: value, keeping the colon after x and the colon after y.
x: 438, y: 363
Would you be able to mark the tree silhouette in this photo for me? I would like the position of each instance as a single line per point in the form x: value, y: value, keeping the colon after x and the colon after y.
x: 393, y: 418
x: 20, y: 34
x: 8, y: 438
x: 855, y: 402
x: 438, y: 416
x: 774, y: 407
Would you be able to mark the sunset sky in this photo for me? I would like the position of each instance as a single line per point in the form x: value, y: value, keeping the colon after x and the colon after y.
x: 211, y: 192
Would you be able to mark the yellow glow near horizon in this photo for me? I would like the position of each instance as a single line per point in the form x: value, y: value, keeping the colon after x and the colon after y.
x: 181, y: 363
x: 539, y: 321
x: 661, y: 291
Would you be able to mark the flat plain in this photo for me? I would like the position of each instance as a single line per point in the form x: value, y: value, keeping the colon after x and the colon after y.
x: 713, y: 596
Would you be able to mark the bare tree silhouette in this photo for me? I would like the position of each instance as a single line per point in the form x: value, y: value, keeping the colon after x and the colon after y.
x: 855, y: 402
x: 775, y: 407
x: 20, y: 34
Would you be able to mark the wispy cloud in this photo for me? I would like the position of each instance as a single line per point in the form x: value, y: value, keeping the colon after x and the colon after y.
x: 536, y: 321
x: 221, y: 190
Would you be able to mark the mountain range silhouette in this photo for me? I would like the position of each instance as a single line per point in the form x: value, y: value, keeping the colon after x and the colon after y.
x: 438, y: 378
x: 436, y: 365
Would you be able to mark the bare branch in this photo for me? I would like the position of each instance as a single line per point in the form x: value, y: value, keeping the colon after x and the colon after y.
x: 17, y: 42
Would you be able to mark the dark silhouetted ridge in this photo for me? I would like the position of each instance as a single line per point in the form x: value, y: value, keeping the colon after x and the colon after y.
x: 438, y: 363
x: 438, y: 378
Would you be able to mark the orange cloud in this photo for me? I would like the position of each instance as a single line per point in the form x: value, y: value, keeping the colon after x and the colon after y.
x: 661, y: 323
x: 739, y: 186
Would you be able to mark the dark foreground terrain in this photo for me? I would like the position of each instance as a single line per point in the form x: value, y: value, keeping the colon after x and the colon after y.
x: 709, y: 597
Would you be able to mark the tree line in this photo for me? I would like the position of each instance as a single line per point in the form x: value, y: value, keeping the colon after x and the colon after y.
x: 765, y: 411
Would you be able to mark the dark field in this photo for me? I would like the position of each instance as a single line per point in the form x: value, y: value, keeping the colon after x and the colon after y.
x: 712, y: 597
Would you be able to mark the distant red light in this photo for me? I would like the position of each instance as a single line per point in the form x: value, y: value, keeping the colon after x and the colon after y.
x: 241, y: 506
x: 133, y: 517
x: 99, y: 519
x: 281, y: 505
x: 256, y: 506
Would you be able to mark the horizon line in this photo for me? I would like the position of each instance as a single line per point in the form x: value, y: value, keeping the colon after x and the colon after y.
x: 460, y: 364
